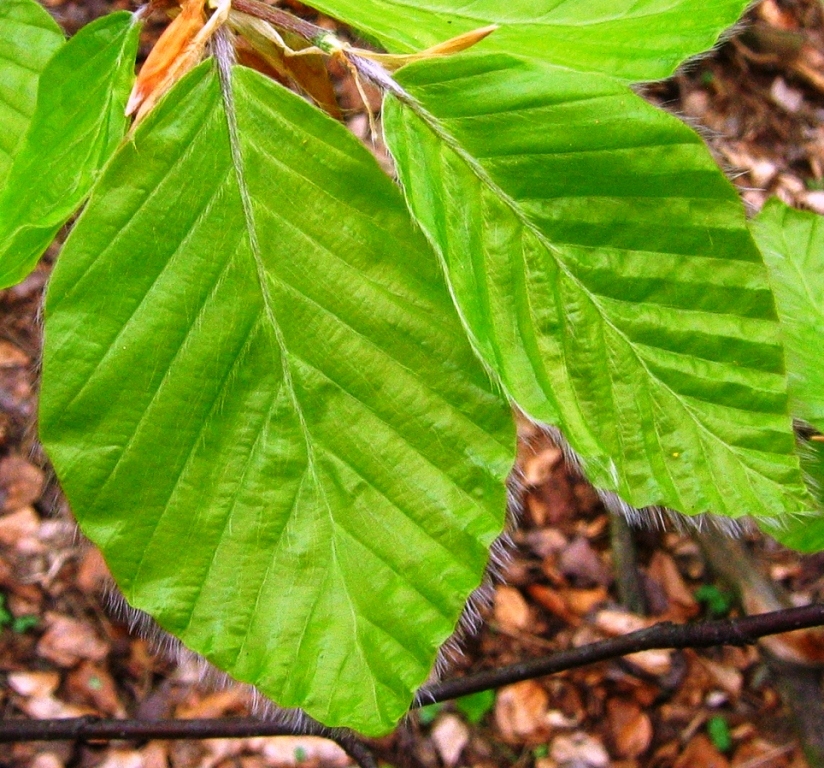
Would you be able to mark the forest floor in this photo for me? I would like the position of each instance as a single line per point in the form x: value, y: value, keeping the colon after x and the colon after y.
x: 759, y: 102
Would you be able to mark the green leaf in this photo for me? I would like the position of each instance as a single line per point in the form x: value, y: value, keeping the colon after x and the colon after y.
x: 603, y: 266
x: 428, y: 714
x: 792, y: 242
x: 717, y: 601
x: 76, y: 127
x: 28, y: 39
x: 23, y: 624
x: 475, y: 706
x: 719, y: 733
x: 6, y: 617
x: 263, y: 407
x: 793, y: 246
x: 629, y: 39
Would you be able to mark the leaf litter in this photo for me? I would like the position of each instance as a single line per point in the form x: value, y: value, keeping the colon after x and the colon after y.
x: 760, y: 101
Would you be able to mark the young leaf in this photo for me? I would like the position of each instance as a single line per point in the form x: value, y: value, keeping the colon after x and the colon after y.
x: 29, y: 37
x: 77, y: 125
x: 793, y: 246
x: 604, y: 269
x: 792, y: 242
x: 630, y: 39
x: 263, y: 407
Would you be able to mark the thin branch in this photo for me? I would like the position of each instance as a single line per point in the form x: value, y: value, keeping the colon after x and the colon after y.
x: 282, y: 20
x: 663, y: 636
x: 742, y: 631
x: 97, y: 729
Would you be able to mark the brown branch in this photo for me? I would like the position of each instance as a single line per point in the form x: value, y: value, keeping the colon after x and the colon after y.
x: 97, y: 729
x: 664, y: 636
x: 742, y: 631
x: 281, y: 19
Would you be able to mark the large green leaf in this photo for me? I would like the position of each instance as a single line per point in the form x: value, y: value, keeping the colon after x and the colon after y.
x: 28, y: 39
x: 793, y: 246
x: 792, y: 242
x: 76, y: 127
x: 630, y: 39
x: 604, y: 268
x: 262, y: 405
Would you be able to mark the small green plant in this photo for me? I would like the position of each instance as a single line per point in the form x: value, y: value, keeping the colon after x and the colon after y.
x: 717, y: 602
x: 428, y: 714
x: 17, y: 624
x: 277, y: 383
x: 719, y: 733
x: 476, y: 706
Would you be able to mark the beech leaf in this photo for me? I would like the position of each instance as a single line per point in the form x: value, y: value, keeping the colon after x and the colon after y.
x: 77, y: 125
x: 604, y: 269
x: 263, y: 407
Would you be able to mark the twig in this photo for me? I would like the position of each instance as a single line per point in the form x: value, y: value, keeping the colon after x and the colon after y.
x: 281, y: 19
x: 97, y: 729
x: 742, y: 631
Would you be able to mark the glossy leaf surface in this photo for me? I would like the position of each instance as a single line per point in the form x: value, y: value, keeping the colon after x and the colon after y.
x: 262, y: 405
x: 29, y: 37
x: 77, y: 125
x: 630, y: 39
x: 604, y: 268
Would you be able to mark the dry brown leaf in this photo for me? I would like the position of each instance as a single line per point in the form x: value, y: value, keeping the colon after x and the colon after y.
x: 21, y: 483
x: 579, y: 751
x: 612, y: 622
x: 521, y: 711
x: 450, y: 736
x: 283, y: 750
x: 123, y: 758
x: 511, y: 610
x: 700, y: 752
x: 655, y: 662
x: 726, y: 677
x: 93, y: 685
x: 630, y: 727
x: 776, y: 16
x: 583, y: 601
x: 759, y: 753
x: 546, y: 542
x: 68, y: 641
x: 34, y: 684
x: 217, y: 704
x: 169, y: 49
x: 49, y: 708
x: 47, y: 760
x: 663, y: 569
x: 93, y: 573
x: 156, y: 755
x: 539, y: 467
x: 581, y: 564
x: 554, y: 602
x: 21, y: 530
x: 11, y: 356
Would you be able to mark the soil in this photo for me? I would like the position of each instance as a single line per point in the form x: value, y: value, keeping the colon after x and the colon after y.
x: 759, y: 102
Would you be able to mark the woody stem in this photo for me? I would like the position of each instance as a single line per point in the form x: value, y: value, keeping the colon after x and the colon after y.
x: 281, y: 19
